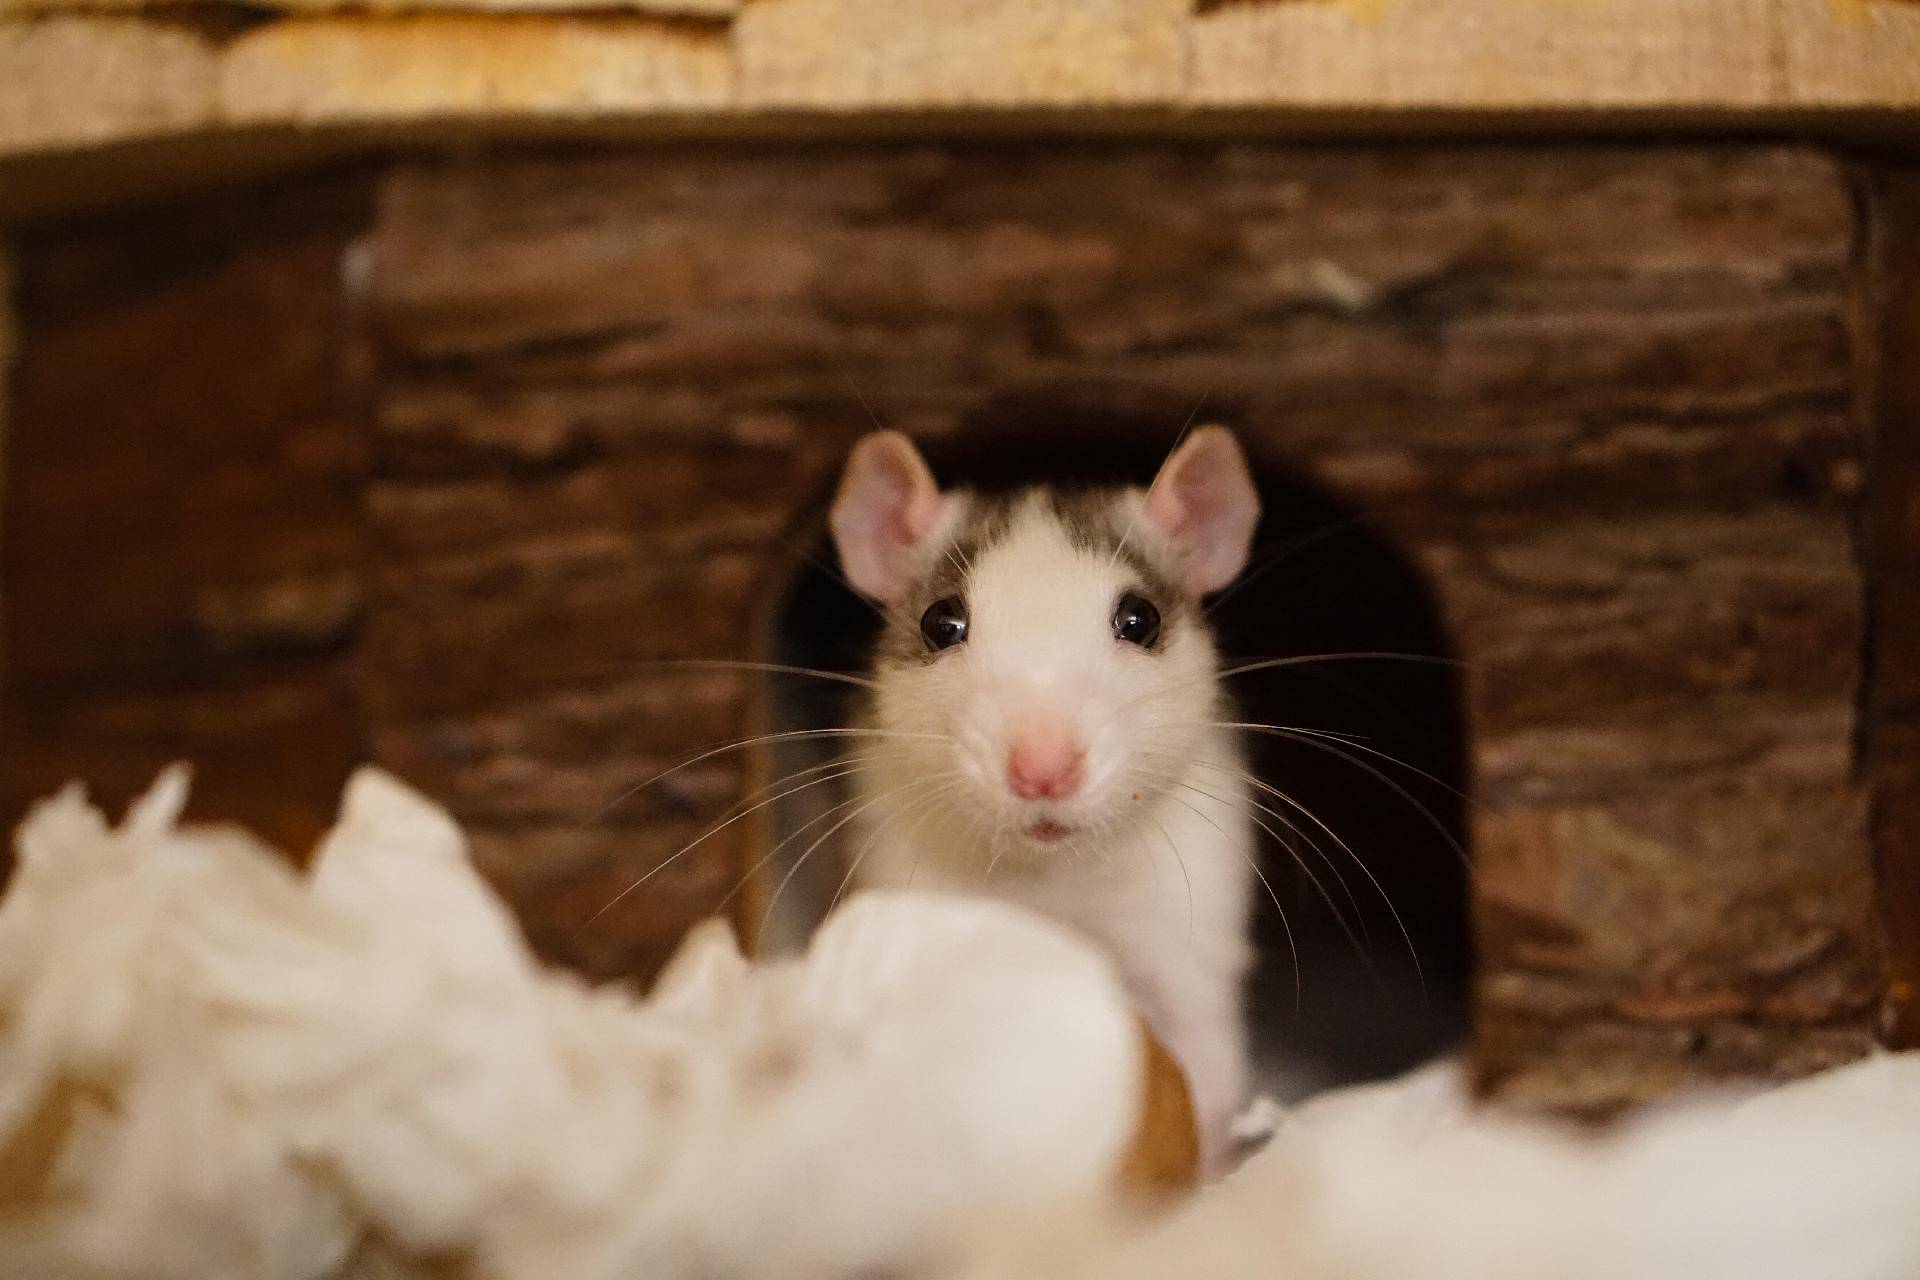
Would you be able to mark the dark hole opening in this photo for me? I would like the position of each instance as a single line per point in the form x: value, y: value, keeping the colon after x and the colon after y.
x: 1322, y: 580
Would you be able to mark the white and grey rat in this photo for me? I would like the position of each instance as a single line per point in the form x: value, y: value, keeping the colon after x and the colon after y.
x: 1046, y: 712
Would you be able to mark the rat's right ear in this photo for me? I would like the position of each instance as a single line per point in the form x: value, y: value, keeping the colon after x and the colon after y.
x: 1205, y: 502
x: 886, y: 508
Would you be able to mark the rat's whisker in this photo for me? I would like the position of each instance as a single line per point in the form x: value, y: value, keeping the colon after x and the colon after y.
x: 789, y: 838
x: 1182, y: 864
x: 821, y: 839
x: 1330, y: 742
x: 927, y: 805
x: 1301, y: 660
x: 1252, y: 809
x: 885, y: 613
x: 707, y: 835
x: 1349, y: 740
x: 1101, y: 830
x: 1360, y: 942
x: 1333, y: 835
x: 1285, y: 925
x: 1406, y: 935
x: 741, y: 744
x: 722, y: 664
x: 1134, y: 520
x: 746, y: 877
x: 1353, y: 688
x: 846, y: 376
x: 1293, y: 828
x: 1379, y: 775
x: 773, y: 668
x: 1237, y: 724
x: 1361, y: 655
x: 836, y: 763
x: 1279, y: 554
x: 959, y: 559
x: 996, y: 847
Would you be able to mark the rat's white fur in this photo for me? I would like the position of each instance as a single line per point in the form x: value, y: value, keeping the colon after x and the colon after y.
x: 1158, y: 867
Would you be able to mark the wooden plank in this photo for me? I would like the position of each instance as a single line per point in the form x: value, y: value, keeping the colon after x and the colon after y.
x: 705, y: 10
x: 1604, y: 620
x: 359, y: 69
x: 1893, y: 704
x: 1634, y: 943
x: 849, y: 55
x: 182, y: 545
x: 78, y: 80
x: 1484, y: 54
x: 1848, y: 53
x: 7, y: 340
x: 1602, y: 397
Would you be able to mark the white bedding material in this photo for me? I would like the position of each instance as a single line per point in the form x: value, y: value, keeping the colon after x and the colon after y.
x: 1817, y: 1180
x: 211, y: 1066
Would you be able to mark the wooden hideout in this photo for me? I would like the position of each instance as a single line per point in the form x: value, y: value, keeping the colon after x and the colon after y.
x: 426, y: 384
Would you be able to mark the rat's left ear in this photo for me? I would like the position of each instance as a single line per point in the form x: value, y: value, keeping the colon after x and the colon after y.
x: 1204, y: 501
x: 886, y: 509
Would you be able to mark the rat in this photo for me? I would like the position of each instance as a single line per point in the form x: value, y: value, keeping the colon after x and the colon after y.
x: 1048, y: 723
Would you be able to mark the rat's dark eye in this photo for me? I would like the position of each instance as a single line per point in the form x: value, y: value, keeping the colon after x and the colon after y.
x: 944, y: 624
x: 1136, y: 621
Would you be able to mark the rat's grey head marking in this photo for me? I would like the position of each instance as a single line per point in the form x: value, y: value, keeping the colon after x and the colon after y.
x: 1097, y: 522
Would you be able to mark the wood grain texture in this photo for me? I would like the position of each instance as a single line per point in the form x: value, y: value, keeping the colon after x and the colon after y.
x: 703, y: 10
x: 851, y: 54
x: 347, y: 70
x: 77, y: 79
x: 1893, y: 702
x: 7, y: 339
x: 1855, y: 52
x: 182, y: 544
x: 1487, y: 53
x: 74, y: 80
x: 453, y: 476
x: 1603, y: 395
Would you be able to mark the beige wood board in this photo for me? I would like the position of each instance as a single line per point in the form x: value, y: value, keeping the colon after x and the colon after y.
x: 310, y: 71
x: 75, y: 84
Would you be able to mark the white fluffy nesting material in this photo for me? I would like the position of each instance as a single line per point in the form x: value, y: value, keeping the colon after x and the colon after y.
x: 211, y: 1066
x: 1817, y: 1180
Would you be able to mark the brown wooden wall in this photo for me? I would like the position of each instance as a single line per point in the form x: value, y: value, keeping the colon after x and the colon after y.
x: 1892, y: 304
x: 183, y: 547
x: 427, y: 465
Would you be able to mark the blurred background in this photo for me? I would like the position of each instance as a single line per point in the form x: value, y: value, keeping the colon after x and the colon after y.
x: 414, y: 386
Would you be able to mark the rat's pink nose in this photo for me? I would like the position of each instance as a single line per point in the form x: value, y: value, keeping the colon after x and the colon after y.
x: 1045, y: 763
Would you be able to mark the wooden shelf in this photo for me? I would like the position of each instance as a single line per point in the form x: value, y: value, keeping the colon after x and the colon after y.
x: 238, y: 87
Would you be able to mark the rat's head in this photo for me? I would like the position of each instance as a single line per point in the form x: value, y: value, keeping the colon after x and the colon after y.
x: 1045, y: 662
